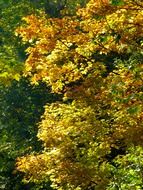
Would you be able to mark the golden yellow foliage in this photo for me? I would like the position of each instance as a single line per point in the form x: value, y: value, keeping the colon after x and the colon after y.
x: 101, y: 110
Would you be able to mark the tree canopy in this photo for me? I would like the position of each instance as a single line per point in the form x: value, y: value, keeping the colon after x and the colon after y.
x: 93, y: 58
x: 90, y: 53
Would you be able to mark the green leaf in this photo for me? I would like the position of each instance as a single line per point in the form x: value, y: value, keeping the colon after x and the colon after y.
x: 117, y: 2
x: 134, y: 109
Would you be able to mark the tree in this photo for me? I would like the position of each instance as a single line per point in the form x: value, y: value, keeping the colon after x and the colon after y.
x: 93, y: 58
x: 12, y: 50
x: 20, y: 104
x: 20, y: 108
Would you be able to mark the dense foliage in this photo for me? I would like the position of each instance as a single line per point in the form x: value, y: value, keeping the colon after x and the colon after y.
x: 92, y: 56
x: 20, y: 104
